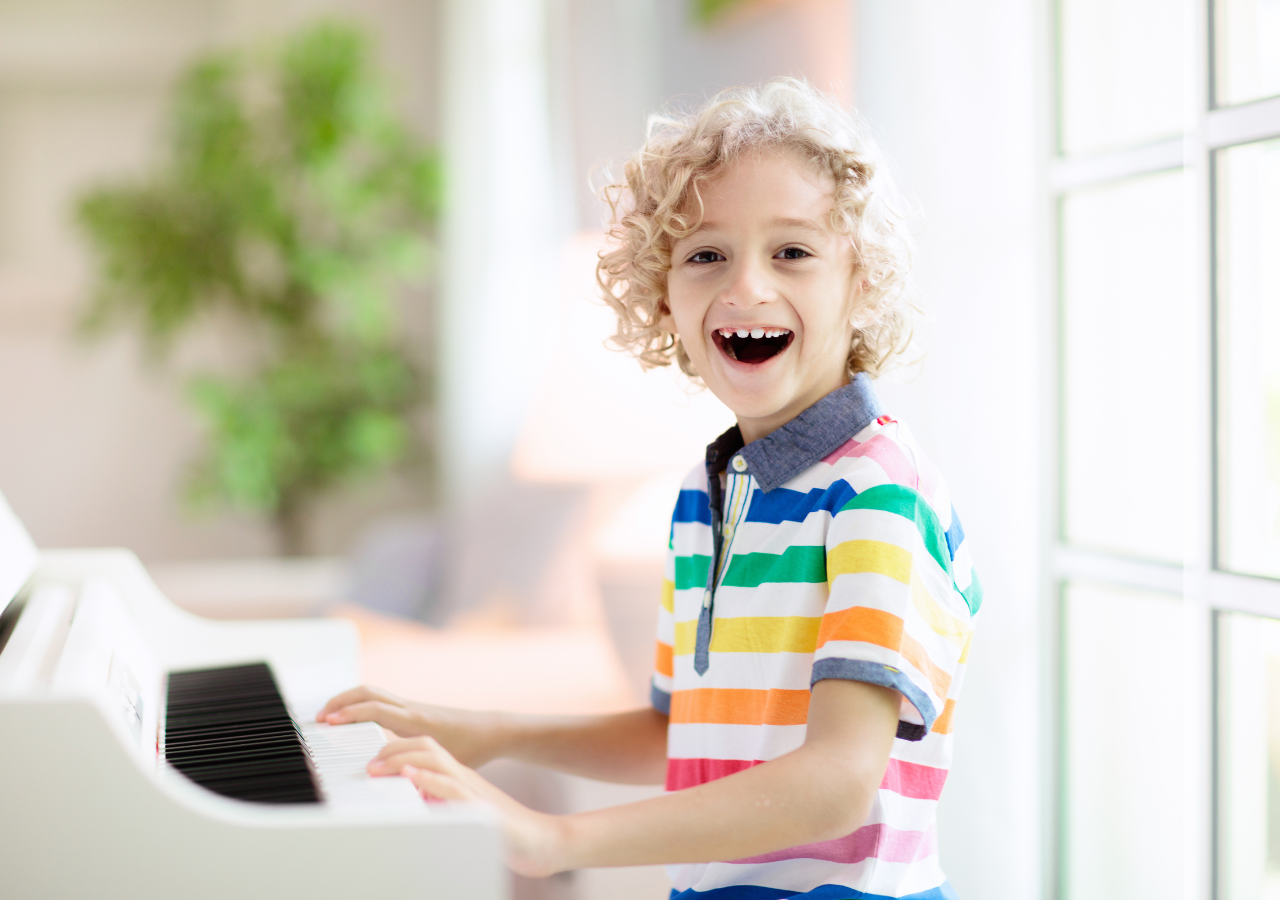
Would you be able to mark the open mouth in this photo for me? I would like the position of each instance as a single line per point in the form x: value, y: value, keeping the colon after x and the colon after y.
x: 752, y: 346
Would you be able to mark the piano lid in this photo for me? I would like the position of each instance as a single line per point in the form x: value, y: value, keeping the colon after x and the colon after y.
x: 17, y: 554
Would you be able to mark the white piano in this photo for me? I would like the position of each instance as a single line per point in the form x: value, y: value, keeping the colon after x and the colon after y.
x: 93, y: 747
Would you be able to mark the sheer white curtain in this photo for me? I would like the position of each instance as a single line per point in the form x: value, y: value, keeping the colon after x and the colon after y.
x: 500, y: 241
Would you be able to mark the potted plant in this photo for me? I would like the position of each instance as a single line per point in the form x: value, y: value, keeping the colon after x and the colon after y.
x: 295, y: 204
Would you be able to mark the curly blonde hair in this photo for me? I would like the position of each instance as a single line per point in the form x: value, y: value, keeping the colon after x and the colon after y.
x: 658, y: 202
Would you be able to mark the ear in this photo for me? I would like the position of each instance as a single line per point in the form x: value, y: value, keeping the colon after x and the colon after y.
x: 666, y: 321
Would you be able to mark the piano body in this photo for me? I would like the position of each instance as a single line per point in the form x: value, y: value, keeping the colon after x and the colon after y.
x: 109, y: 692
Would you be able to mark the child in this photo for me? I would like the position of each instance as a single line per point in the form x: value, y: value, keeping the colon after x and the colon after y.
x: 815, y: 624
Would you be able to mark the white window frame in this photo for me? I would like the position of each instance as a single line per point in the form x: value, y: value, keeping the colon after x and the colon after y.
x: 1205, y: 590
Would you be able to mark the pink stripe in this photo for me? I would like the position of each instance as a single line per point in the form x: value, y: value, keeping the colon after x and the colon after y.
x: 869, y: 841
x: 885, y: 452
x: 913, y: 780
x: 687, y: 773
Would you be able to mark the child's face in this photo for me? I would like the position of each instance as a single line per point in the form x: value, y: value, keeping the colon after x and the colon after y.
x: 767, y: 262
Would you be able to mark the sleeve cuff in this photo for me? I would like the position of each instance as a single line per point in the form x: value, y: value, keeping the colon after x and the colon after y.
x: 885, y: 676
x: 660, y: 699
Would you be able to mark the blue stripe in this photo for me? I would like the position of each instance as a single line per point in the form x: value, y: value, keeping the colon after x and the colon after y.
x: 693, y: 506
x: 782, y: 505
x: 943, y: 891
x: 736, y: 892
x: 955, y: 534
x: 877, y: 673
x: 659, y: 699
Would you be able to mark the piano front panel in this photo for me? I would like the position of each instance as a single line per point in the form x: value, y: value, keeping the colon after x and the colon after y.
x: 106, y: 657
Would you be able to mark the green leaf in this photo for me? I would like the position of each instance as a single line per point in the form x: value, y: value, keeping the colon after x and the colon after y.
x: 705, y: 12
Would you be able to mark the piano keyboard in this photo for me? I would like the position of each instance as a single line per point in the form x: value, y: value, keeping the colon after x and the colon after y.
x: 228, y: 730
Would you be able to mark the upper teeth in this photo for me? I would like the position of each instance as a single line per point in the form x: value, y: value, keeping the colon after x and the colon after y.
x: 753, y: 332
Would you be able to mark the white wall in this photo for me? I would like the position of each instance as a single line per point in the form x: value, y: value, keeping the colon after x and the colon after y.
x: 952, y: 90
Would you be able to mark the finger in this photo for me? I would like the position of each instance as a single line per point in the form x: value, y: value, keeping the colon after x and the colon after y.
x: 368, y: 711
x: 435, y: 785
x: 346, y: 698
x: 395, y: 765
x: 409, y: 745
x: 433, y: 759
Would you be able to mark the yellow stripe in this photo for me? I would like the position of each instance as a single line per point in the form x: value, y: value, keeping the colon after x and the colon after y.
x: 686, y: 635
x: 754, y: 634
x: 869, y: 556
x: 941, y: 621
x: 668, y: 595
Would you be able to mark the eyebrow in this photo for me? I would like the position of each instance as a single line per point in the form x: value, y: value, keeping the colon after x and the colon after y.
x: 806, y: 224
x: 780, y: 222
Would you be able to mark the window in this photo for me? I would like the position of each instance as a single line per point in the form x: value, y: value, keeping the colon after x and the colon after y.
x: 1122, y: 800
x: 1165, y: 571
x: 1247, y: 207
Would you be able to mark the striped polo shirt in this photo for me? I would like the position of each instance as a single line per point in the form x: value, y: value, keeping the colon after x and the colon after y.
x: 826, y: 549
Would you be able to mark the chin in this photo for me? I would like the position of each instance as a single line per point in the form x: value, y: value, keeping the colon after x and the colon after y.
x: 754, y: 408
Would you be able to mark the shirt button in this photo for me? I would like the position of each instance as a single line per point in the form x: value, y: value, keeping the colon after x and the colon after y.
x: 739, y: 464
x: 706, y: 598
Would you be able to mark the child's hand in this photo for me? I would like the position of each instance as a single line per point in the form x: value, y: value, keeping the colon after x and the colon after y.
x: 470, y: 736
x: 535, y: 841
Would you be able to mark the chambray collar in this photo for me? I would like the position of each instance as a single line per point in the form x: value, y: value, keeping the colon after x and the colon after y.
x: 785, y: 452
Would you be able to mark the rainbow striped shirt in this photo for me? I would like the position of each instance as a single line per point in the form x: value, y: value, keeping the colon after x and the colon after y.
x: 827, y: 549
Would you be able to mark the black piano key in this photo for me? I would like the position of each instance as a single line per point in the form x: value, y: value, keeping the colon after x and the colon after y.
x: 228, y: 730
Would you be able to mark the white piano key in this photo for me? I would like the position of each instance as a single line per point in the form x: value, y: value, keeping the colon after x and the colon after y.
x: 340, y: 754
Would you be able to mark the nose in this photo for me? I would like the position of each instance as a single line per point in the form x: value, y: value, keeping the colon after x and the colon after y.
x: 747, y: 284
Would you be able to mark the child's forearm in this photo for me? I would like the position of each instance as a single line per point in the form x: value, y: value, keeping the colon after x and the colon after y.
x: 628, y: 747
x: 796, y: 799
x: 822, y: 791
x: 625, y: 747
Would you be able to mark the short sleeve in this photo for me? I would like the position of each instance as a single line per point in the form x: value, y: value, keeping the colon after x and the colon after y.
x: 894, y: 615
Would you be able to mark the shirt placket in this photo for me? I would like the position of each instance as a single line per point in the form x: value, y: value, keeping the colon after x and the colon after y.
x: 727, y: 514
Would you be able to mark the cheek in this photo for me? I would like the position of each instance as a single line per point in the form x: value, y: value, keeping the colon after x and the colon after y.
x: 683, y: 319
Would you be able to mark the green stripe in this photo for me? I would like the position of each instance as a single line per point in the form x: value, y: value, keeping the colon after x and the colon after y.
x: 795, y: 564
x: 691, y: 571
x: 973, y: 593
x: 894, y: 498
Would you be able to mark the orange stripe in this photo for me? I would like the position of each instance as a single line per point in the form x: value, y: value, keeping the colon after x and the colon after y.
x: 942, y: 724
x: 874, y: 626
x: 915, y: 654
x: 860, y: 623
x: 734, y: 706
x: 662, y: 659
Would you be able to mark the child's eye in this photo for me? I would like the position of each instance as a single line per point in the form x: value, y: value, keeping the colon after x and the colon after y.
x: 706, y: 256
x: 792, y: 253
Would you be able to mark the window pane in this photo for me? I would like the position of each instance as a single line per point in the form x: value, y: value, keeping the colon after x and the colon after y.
x: 1123, y: 829
x: 1247, y: 55
x: 1121, y: 76
x: 1126, y: 297
x: 1248, y: 223
x: 1248, y: 757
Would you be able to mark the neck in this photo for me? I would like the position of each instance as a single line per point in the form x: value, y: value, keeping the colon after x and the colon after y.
x: 753, y: 427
